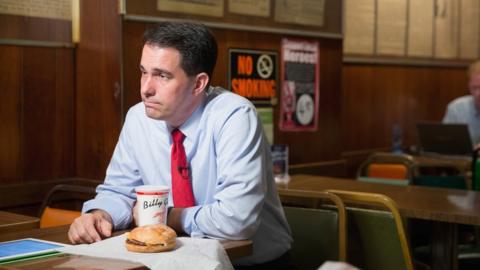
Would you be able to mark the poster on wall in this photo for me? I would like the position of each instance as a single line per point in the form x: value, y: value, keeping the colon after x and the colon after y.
x: 306, y: 12
x: 212, y: 8
x: 52, y: 9
x: 253, y: 74
x: 359, y: 19
x: 250, y: 7
x: 300, y: 69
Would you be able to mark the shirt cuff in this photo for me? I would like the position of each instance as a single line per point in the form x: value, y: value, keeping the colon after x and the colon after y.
x: 118, y: 210
x: 190, y: 227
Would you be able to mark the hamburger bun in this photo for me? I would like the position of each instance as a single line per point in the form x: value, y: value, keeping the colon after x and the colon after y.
x: 151, y: 238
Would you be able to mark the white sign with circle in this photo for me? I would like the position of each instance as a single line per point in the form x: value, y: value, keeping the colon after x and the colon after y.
x: 305, y: 109
x: 265, y: 66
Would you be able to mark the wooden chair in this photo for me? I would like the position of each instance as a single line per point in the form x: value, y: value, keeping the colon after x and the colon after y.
x: 319, y: 234
x: 377, y: 238
x: 443, y: 174
x: 63, y: 204
x: 387, y: 168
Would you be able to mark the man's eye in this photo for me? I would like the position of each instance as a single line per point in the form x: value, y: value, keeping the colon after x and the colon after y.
x: 164, y: 76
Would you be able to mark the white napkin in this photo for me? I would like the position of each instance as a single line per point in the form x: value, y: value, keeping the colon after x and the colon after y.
x: 331, y: 265
x: 190, y: 253
x: 464, y: 202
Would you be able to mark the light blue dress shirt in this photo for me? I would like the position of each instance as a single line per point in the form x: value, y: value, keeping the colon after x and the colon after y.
x: 462, y: 110
x: 230, y: 167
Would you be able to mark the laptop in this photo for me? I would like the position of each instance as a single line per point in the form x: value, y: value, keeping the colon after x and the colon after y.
x: 445, y: 139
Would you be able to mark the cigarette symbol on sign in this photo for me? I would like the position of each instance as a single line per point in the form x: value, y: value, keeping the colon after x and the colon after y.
x: 265, y: 66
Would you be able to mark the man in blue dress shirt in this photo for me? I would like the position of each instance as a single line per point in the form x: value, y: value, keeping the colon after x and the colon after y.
x: 466, y: 109
x: 228, y: 155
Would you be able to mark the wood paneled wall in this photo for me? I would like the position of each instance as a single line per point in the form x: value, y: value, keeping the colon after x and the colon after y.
x: 376, y: 97
x: 36, y: 113
x: 98, y: 97
x: 36, y: 100
x: 324, y: 144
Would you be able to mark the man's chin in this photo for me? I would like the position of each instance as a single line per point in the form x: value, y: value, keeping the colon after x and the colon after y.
x: 153, y: 114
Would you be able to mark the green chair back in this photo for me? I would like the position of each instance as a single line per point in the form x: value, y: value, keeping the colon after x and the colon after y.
x: 376, y: 238
x: 315, y: 236
x: 373, y: 242
x: 388, y: 181
x: 444, y: 181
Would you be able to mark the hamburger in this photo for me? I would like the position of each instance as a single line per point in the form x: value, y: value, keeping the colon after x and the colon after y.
x: 151, y: 238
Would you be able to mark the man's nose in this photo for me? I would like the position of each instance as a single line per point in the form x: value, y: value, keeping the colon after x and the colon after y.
x: 147, y: 87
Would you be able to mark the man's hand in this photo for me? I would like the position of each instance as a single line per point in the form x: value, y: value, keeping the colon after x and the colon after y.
x: 90, y: 227
x: 135, y: 213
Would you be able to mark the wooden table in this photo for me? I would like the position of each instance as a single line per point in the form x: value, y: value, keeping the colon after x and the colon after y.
x: 12, y: 222
x: 446, y: 207
x: 234, y: 249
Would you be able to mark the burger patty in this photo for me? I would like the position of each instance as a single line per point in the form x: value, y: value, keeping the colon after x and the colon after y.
x: 135, y: 242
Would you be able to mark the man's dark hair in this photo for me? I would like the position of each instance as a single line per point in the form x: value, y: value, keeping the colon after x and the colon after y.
x: 194, y: 41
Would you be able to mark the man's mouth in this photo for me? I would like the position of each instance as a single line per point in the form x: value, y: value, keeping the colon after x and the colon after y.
x: 150, y: 104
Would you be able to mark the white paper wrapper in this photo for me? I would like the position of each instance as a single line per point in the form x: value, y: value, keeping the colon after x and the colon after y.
x: 190, y: 253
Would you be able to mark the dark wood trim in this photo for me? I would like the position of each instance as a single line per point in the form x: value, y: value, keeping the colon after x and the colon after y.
x: 335, y: 168
x: 26, y: 198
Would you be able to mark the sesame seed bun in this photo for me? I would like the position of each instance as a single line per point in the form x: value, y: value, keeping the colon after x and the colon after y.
x: 151, y: 238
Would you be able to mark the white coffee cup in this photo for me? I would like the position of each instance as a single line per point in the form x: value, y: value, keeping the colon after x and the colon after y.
x: 152, y: 204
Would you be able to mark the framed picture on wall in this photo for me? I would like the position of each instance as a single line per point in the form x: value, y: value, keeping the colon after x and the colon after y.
x: 300, y: 71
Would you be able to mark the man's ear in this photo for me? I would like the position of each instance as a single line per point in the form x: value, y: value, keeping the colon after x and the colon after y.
x: 201, y: 81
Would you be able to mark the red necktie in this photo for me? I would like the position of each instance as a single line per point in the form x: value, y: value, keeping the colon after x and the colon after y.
x: 181, y: 185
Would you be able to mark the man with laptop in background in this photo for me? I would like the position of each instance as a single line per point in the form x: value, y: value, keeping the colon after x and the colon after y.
x: 466, y: 109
